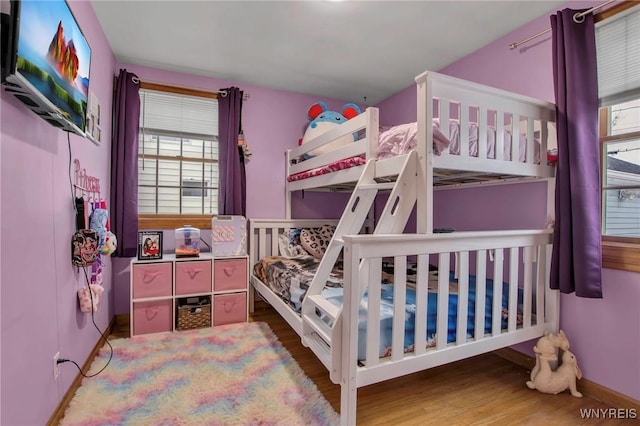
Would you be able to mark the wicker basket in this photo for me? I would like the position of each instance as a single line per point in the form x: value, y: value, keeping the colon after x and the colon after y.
x: 193, y: 316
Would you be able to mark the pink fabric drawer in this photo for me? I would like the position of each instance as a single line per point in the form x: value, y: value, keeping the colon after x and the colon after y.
x: 193, y: 277
x: 230, y: 274
x: 152, y: 280
x: 229, y: 308
x: 152, y: 317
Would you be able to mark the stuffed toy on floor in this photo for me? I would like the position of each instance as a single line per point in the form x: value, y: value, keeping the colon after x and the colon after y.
x: 322, y: 120
x: 563, y: 378
x: 544, y: 376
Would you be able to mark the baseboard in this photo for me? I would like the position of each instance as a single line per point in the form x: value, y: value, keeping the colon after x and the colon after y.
x: 587, y: 387
x: 58, y: 414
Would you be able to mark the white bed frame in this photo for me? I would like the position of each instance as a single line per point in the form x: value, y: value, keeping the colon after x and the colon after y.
x: 520, y: 257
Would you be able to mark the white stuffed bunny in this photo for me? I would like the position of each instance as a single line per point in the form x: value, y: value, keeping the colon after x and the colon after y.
x: 547, y: 347
x: 554, y: 382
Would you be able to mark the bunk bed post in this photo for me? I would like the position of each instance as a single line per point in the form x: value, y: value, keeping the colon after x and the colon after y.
x: 287, y: 193
x: 373, y: 127
x: 424, y: 208
x: 252, y: 261
x: 350, y: 311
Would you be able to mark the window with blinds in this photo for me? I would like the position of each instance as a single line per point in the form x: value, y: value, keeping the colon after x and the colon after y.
x: 178, y: 154
x: 618, y: 52
x: 618, y: 56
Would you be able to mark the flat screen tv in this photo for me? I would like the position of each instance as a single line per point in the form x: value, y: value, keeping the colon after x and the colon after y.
x: 46, y: 61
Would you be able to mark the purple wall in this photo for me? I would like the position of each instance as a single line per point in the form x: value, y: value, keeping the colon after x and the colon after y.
x: 40, y: 314
x: 597, y: 329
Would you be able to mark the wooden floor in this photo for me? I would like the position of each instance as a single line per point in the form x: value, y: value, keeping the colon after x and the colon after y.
x: 483, y: 390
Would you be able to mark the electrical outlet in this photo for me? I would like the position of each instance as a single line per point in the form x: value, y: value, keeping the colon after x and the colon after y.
x: 56, y: 366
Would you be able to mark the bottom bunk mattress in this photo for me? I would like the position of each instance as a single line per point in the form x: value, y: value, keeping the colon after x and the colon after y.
x: 290, y: 279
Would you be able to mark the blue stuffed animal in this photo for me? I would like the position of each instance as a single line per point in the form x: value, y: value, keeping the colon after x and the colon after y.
x: 322, y: 120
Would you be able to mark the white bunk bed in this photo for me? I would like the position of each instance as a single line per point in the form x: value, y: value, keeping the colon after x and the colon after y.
x: 347, y: 332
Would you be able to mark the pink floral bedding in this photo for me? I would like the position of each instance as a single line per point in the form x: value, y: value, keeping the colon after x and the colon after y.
x: 332, y: 167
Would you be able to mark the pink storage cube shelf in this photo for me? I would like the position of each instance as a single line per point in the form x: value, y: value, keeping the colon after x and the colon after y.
x: 230, y: 274
x: 152, y: 279
x: 152, y: 317
x: 193, y: 277
x: 229, y: 308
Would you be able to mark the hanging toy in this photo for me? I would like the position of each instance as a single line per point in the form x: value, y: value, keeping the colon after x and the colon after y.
x: 110, y: 244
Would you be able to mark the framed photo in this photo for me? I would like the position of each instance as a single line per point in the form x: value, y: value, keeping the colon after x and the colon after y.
x: 149, y: 245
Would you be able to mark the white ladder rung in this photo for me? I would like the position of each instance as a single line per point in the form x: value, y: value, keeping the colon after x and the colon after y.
x: 319, y: 327
x: 319, y: 347
x: 379, y: 186
x: 324, y: 305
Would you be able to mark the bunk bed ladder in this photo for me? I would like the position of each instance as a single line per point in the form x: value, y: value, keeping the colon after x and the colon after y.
x: 321, y: 319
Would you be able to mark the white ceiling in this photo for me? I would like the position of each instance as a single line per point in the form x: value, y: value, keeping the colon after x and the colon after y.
x: 335, y: 49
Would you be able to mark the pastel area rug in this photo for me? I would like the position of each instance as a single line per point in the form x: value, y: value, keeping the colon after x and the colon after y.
x: 238, y: 374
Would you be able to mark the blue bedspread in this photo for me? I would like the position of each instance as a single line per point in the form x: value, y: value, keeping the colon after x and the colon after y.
x: 386, y: 314
x: 291, y: 277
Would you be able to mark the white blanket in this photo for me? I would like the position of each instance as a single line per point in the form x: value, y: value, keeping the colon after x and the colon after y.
x: 402, y: 139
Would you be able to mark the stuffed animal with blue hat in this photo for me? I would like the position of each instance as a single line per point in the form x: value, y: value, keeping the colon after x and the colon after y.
x: 322, y: 120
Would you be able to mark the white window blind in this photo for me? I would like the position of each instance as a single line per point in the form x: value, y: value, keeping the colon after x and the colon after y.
x: 618, y: 51
x: 168, y: 113
x: 177, y: 154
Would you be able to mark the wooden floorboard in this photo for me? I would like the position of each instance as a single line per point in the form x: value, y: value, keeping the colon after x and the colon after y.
x: 483, y: 390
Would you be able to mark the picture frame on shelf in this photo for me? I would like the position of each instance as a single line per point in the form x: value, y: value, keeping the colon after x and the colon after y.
x: 149, y: 245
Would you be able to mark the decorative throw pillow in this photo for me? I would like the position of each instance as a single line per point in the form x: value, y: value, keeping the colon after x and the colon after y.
x: 316, y: 240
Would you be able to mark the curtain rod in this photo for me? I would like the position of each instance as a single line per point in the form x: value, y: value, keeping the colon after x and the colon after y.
x: 182, y: 90
x: 224, y: 93
x: 578, y: 18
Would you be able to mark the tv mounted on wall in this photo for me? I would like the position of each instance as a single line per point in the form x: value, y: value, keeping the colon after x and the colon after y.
x: 46, y: 61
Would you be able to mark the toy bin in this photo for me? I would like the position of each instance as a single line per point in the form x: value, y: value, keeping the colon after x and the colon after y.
x: 193, y: 312
x: 187, y: 241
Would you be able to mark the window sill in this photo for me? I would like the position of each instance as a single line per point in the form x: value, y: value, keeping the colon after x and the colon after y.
x: 622, y: 256
x: 170, y: 221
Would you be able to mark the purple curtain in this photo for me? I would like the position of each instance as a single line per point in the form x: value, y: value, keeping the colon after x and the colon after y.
x: 577, y: 260
x: 233, y: 189
x: 124, y: 164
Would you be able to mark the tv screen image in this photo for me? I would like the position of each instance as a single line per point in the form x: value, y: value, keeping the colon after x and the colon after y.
x: 53, y: 57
